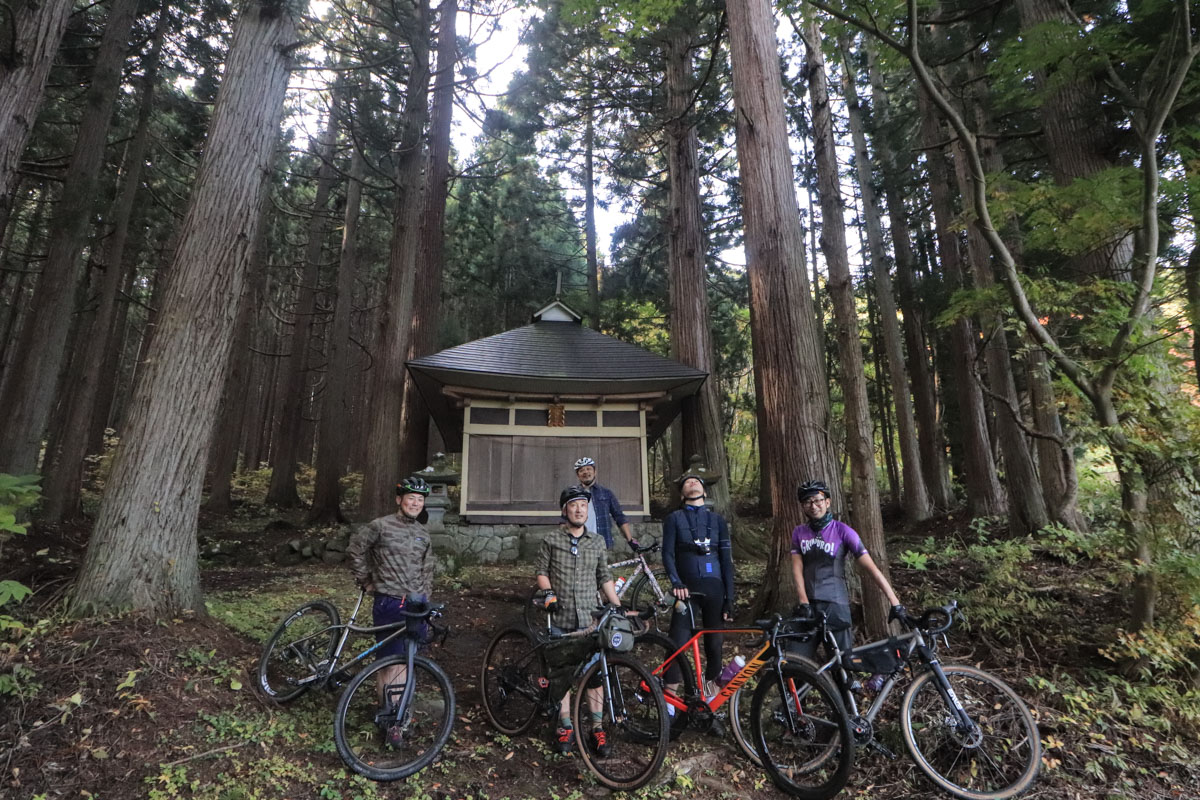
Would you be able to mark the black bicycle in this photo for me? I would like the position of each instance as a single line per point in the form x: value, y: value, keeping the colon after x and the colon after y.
x: 646, y: 590
x: 966, y: 729
x: 515, y: 681
x: 394, y: 716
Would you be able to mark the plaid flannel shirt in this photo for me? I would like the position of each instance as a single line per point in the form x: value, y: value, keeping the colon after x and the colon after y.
x: 576, y: 567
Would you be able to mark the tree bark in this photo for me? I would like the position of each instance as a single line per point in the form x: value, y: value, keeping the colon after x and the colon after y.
x: 63, y: 471
x: 223, y: 452
x: 916, y: 500
x: 32, y: 378
x: 382, y: 467
x: 860, y: 438
x: 335, y: 405
x: 143, y: 553
x: 1026, y: 506
x: 589, y: 212
x: 984, y: 495
x: 287, y: 440
x: 31, y: 40
x: 691, y: 341
x: 785, y: 338
x: 430, y: 265
x: 931, y: 441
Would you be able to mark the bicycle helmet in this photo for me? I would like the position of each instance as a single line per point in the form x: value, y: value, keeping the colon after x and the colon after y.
x: 573, y: 493
x: 412, y: 485
x: 809, y: 488
x: 586, y: 461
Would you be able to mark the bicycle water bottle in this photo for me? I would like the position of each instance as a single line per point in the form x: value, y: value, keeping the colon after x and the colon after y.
x: 731, y: 669
x: 619, y: 584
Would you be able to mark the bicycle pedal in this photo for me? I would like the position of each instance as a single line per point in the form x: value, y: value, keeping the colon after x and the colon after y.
x: 882, y: 750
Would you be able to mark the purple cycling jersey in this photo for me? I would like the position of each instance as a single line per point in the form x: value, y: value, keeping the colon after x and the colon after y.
x: 824, y: 557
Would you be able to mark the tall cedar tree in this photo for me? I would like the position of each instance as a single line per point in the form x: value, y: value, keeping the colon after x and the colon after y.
x: 787, y: 352
x: 31, y: 379
x: 860, y: 433
x: 143, y: 553
x: 382, y: 468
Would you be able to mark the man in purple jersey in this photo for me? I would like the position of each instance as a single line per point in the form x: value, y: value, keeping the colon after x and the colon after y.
x: 820, y: 548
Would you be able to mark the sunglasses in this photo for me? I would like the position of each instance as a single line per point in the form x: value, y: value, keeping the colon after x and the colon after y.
x: 575, y: 550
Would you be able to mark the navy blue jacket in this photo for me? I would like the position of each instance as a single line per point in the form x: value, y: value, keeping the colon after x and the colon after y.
x: 686, y: 563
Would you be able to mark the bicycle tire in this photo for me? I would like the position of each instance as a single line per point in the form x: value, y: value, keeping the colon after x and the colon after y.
x: 297, y: 649
x: 740, y: 706
x: 814, y: 760
x: 513, y: 681
x: 635, y: 723
x: 653, y: 649
x: 640, y: 597
x: 952, y: 760
x: 361, y: 725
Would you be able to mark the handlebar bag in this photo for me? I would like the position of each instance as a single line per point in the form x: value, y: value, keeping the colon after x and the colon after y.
x: 616, y: 634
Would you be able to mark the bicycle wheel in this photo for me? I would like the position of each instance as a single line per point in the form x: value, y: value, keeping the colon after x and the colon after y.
x: 652, y: 649
x: 634, y: 723
x: 641, y: 597
x: 740, y: 706
x: 299, y: 649
x: 809, y: 752
x: 378, y: 739
x: 998, y: 758
x: 513, y: 680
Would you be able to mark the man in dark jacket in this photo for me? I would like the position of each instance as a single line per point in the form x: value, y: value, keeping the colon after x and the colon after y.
x: 603, y: 506
x: 698, y: 557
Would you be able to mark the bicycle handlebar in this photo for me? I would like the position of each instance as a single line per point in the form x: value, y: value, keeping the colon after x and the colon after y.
x: 645, y: 548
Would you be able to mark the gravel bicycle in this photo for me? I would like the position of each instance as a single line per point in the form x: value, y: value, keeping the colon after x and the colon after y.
x: 394, y: 716
x: 808, y: 746
x: 965, y: 729
x: 515, y: 681
x: 646, y: 590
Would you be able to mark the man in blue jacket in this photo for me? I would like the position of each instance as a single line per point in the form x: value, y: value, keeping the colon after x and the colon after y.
x: 604, y: 504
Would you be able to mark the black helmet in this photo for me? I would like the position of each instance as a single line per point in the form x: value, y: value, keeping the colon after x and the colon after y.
x: 573, y: 493
x: 809, y: 488
x: 414, y: 484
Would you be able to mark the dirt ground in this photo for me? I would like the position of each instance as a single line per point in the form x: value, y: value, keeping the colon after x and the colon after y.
x: 138, y: 708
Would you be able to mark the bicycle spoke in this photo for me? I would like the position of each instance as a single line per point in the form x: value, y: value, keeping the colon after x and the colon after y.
x: 381, y: 737
x: 997, y: 757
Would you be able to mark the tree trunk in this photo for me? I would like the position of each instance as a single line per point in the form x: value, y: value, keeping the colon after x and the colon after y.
x: 223, y: 452
x: 931, y: 441
x: 63, y: 471
x: 785, y: 337
x: 916, y: 500
x: 32, y: 378
x: 143, y: 553
x: 31, y: 37
x: 287, y: 439
x: 860, y: 438
x: 335, y: 405
x: 589, y: 212
x: 430, y: 265
x: 382, y: 468
x: 984, y: 495
x: 1026, y: 506
x: 691, y: 341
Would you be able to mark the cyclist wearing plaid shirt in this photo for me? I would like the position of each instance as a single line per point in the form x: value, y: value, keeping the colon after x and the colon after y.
x: 571, y: 564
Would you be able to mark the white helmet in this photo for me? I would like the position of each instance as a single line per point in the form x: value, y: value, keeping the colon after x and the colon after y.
x: 584, y: 462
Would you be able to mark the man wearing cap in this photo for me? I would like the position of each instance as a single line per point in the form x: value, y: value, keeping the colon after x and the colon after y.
x: 603, y: 506
x: 698, y: 557
x: 571, y: 564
